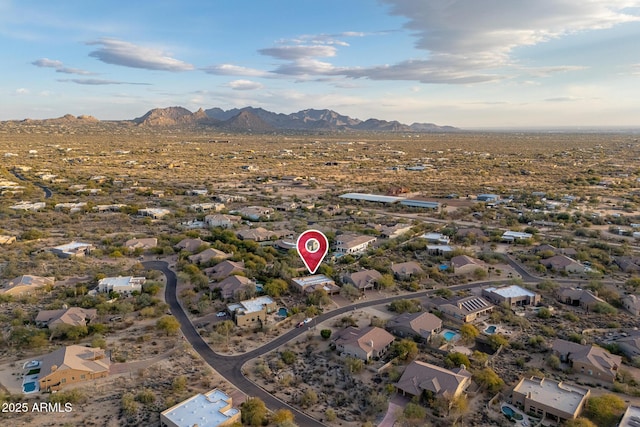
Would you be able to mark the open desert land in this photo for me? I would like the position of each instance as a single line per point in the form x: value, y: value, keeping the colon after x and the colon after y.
x: 105, y: 184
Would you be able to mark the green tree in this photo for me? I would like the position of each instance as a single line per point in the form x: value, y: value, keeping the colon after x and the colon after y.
x: 282, y: 416
x: 325, y: 334
x: 288, y: 357
x: 414, y: 412
x: 353, y: 364
x: 168, y: 325
x: 405, y: 349
x: 498, y: 340
x: 469, y: 332
x: 275, y: 287
x: 489, y: 380
x: 386, y: 282
x: 224, y: 328
x: 254, y: 412
x: 605, y: 410
x: 405, y: 306
x: 455, y: 359
x: 579, y: 422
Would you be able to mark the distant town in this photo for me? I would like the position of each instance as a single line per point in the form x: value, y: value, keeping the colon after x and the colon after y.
x: 149, y: 275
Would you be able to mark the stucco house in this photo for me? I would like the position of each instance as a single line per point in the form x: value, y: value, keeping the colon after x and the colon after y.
x: 588, y: 360
x: 353, y: 244
x: 212, y: 409
x: 464, y: 264
x: 420, y: 377
x: 367, y: 343
x: 406, y: 270
x: 70, y: 365
x: 122, y: 285
x: 72, y: 316
x: 465, y: 309
x: 222, y: 220
x: 563, y: 263
x: 363, y: 280
x: 555, y: 401
x: 25, y: 284
x: 578, y: 298
x: 421, y: 326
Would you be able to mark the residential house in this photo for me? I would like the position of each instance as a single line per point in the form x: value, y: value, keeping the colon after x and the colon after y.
x: 631, y: 417
x: 259, y: 234
x: 512, y: 236
x: 471, y: 234
x: 205, y: 207
x: 363, y: 280
x: 563, y: 263
x: 25, y: 284
x: 420, y: 326
x: 406, y: 270
x: 308, y: 284
x: 232, y: 285
x: 191, y: 245
x: 154, y: 213
x: 512, y: 296
x: 588, y: 360
x: 629, y: 345
x: 197, y: 192
x: 578, y: 298
x: 208, y: 255
x: 421, y: 377
x: 121, y: 285
x: 436, y: 238
x: 631, y: 303
x: 229, y: 198
x: 464, y: 264
x: 144, y: 244
x: 73, y: 249
x: 212, y: 409
x: 26, y: 206
x: 71, y: 365
x: 353, y: 244
x: 287, y: 206
x: 70, y: 207
x: 252, y: 312
x: 225, y: 269
x: 254, y: 213
x: 222, y: 220
x: 439, y: 250
x: 395, y: 231
x: 487, y: 197
x: 550, y: 400
x: 464, y: 309
x: 628, y: 264
x: 367, y: 343
x: 73, y: 316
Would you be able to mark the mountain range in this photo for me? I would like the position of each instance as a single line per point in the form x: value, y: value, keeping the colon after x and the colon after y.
x: 258, y: 120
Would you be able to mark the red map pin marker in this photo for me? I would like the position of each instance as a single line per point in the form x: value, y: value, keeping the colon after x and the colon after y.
x: 312, y: 247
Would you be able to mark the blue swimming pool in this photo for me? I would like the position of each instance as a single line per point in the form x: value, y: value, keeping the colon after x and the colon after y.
x: 511, y: 413
x: 491, y: 329
x: 283, y: 312
x: 29, y: 387
x: 449, y: 335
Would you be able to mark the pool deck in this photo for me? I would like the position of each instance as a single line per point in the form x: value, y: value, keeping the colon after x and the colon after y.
x: 524, y: 422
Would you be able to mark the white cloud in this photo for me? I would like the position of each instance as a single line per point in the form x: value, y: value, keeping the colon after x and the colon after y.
x: 22, y: 91
x: 117, y: 52
x: 244, y: 85
x: 99, y: 82
x: 234, y: 70
x: 59, y: 67
x: 299, y: 51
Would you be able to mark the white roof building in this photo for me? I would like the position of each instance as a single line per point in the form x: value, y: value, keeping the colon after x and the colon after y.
x: 121, y: 285
x: 510, y: 236
x: 212, y: 409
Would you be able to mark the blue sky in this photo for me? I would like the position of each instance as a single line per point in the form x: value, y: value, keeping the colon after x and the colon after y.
x: 466, y: 63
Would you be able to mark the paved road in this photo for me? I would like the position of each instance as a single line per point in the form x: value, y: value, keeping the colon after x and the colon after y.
x: 230, y: 367
x: 47, y: 191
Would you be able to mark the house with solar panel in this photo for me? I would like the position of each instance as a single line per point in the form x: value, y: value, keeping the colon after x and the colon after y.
x: 470, y: 309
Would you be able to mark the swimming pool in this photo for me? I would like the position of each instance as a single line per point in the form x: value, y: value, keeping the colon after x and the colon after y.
x: 283, y: 312
x: 511, y: 413
x: 449, y: 335
x: 491, y: 329
x: 29, y: 387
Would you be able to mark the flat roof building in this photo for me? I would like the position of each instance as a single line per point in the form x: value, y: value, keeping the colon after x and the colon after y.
x: 549, y: 399
x: 371, y: 198
x: 250, y: 312
x: 212, y: 409
x: 511, y: 295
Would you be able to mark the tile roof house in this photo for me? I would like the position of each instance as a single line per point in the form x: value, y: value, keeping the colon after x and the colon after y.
x: 578, y: 298
x: 259, y: 234
x: 465, y: 309
x: 628, y: 264
x: 71, y: 365
x: 464, y: 264
x: 420, y: 377
x: 222, y: 220
x: 367, y: 343
x: 588, y: 360
x: 422, y: 326
x: 73, y: 316
x: 353, y: 244
x: 550, y: 400
x: 191, y: 245
x: 405, y: 270
x: 25, y: 284
x: 212, y: 409
x: 225, y: 269
x: 563, y: 263
x: 230, y: 286
x: 308, y: 284
x: 363, y: 280
x: 208, y: 255
x: 146, y: 243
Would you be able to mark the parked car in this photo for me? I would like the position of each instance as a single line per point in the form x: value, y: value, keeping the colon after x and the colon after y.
x: 221, y: 314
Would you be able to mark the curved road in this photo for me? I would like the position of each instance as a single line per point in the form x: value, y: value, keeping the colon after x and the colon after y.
x: 230, y: 367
